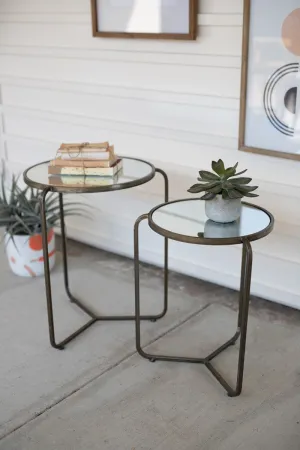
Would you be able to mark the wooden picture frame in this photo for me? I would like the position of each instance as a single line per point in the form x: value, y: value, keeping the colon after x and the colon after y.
x: 285, y: 62
x: 191, y: 34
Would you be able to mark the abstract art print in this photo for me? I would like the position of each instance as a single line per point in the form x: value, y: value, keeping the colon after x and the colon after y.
x: 270, y: 88
x: 147, y: 19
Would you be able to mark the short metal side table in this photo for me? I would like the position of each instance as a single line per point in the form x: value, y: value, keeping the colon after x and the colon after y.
x: 185, y: 221
x: 135, y: 173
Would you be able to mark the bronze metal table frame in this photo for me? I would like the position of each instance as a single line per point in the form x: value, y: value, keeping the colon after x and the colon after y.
x: 94, y: 317
x: 242, y: 322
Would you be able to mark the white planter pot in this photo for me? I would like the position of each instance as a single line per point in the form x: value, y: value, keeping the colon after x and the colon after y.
x: 25, y: 254
x: 223, y: 211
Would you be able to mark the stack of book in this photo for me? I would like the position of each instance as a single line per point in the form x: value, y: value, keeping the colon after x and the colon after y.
x: 84, y: 165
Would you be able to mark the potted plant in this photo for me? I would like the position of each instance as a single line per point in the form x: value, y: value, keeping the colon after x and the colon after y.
x: 20, y: 215
x: 223, y: 191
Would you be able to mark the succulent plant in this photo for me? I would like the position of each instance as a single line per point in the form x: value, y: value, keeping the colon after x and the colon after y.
x: 223, y: 182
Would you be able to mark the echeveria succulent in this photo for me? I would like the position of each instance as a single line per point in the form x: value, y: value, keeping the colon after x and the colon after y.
x: 223, y: 182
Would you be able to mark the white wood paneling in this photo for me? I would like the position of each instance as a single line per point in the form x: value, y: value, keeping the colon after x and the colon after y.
x: 174, y: 116
x: 174, y: 103
x: 217, y: 40
x: 199, y: 79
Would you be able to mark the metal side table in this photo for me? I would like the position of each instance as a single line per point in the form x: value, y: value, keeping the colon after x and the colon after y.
x: 135, y: 173
x: 185, y: 221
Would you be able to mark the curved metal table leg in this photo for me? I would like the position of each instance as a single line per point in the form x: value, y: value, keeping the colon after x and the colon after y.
x: 88, y: 310
x: 166, y: 253
x: 152, y: 358
x: 73, y: 299
x: 241, y: 332
x: 60, y: 345
x: 247, y: 260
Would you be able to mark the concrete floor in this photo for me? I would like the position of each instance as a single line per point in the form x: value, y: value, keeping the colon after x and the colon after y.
x: 99, y: 394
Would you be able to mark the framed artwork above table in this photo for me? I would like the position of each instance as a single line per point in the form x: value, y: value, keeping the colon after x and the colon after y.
x: 145, y: 19
x: 270, y: 85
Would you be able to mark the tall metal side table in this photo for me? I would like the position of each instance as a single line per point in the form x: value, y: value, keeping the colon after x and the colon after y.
x: 135, y: 173
x: 185, y: 221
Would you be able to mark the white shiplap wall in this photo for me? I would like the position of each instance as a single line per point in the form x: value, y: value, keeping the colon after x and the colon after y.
x: 173, y: 103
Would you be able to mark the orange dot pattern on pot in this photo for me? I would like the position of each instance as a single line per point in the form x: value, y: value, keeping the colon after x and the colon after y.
x: 36, y: 241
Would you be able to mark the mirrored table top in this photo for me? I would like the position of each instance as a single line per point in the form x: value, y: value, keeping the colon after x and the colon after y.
x: 134, y: 173
x: 186, y: 221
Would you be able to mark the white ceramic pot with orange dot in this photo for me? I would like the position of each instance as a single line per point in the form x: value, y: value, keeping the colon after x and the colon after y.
x: 25, y: 253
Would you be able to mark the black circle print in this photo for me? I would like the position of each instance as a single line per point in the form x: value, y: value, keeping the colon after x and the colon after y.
x: 289, y: 98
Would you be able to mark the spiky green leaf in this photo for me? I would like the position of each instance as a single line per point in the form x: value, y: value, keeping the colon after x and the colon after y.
x: 225, y: 194
x: 234, y: 194
x: 240, y: 180
x: 244, y: 189
x: 20, y: 209
x: 208, y: 196
x: 217, y: 189
x: 240, y: 173
x: 248, y: 194
x: 197, y: 188
x: 231, y: 171
x: 3, y: 189
x: 227, y: 185
x: 208, y: 176
x: 218, y: 167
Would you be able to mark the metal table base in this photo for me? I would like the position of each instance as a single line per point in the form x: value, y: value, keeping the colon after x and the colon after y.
x: 94, y: 317
x: 241, y: 325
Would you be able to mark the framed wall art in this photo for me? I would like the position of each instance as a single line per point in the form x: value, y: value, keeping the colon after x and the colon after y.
x: 146, y: 19
x: 270, y: 85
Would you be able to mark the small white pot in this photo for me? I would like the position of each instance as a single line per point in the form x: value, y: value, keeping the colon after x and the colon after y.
x: 223, y: 211
x: 25, y: 254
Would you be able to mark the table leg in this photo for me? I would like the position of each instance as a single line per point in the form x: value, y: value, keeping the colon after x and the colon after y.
x: 166, y: 251
x: 244, y: 301
x: 85, y: 308
x: 152, y: 358
x: 47, y: 276
x: 242, y: 320
x: 245, y: 294
x: 88, y: 310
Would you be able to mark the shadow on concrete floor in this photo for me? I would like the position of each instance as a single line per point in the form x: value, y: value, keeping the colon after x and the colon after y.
x: 99, y: 394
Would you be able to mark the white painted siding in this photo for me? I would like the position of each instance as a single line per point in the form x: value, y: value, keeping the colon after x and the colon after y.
x: 173, y: 103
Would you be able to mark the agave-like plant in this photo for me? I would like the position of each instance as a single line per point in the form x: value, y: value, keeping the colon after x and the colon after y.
x: 20, y: 208
x: 223, y: 182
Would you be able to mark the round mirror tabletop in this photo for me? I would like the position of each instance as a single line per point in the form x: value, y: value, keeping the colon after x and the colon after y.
x: 134, y: 173
x: 186, y: 221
